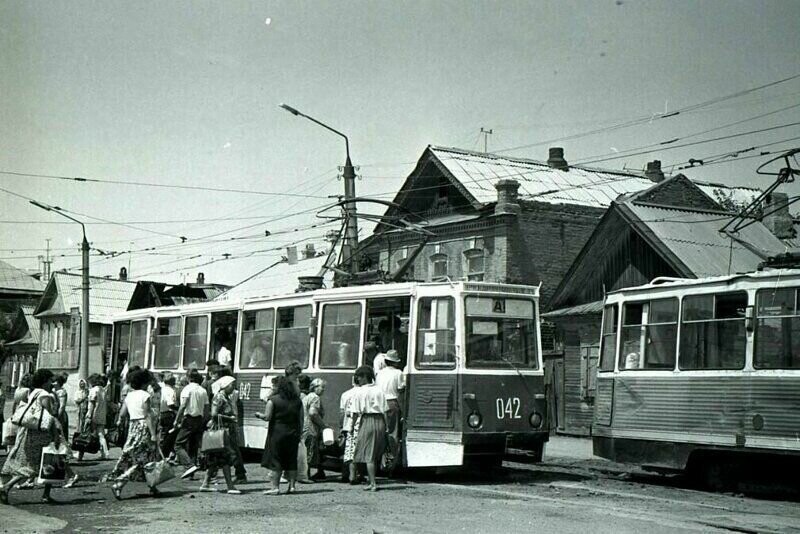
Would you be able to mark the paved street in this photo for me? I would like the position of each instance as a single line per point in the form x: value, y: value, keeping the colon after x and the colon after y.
x: 570, y: 492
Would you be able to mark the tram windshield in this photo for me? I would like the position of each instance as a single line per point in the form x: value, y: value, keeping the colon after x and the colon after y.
x: 501, y: 333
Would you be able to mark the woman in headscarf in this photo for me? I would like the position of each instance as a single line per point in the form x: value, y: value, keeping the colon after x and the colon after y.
x: 285, y: 416
x: 81, y: 401
x: 24, y: 459
x: 313, y: 424
x: 223, y: 415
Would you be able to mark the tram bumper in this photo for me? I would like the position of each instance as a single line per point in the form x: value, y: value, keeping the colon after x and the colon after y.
x: 499, y: 443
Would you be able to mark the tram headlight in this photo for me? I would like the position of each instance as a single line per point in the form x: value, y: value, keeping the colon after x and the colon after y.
x: 474, y: 420
x: 535, y: 420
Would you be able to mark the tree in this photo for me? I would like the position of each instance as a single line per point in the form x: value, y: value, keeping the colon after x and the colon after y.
x: 725, y: 198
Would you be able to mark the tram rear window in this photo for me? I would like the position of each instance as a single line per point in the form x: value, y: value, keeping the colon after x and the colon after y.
x: 292, y: 338
x: 436, y: 333
x: 168, y: 343
x: 713, y: 331
x: 777, y: 340
x: 501, y: 333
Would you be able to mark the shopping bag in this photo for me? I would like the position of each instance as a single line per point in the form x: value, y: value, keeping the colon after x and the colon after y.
x: 53, y: 467
x: 156, y: 473
x: 31, y: 415
x: 327, y: 437
x: 214, y: 440
x: 86, y: 442
x: 9, y: 433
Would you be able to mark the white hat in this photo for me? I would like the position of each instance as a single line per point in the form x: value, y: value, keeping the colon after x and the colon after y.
x: 392, y: 356
x: 222, y: 383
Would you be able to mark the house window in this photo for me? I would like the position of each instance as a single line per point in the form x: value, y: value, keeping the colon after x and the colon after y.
x: 439, y: 267
x: 476, y: 262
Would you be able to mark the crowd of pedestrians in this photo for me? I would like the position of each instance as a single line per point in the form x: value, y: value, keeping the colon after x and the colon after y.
x: 161, y: 419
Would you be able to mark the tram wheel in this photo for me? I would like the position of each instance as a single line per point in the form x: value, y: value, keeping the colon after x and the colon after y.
x: 713, y: 473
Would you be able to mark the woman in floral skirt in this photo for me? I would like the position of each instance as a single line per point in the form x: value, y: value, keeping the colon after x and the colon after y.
x: 141, y: 447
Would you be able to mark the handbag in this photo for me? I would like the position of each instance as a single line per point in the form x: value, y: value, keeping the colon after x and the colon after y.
x: 53, y: 467
x: 215, y: 439
x: 156, y: 473
x: 86, y: 442
x: 9, y: 433
x: 31, y: 415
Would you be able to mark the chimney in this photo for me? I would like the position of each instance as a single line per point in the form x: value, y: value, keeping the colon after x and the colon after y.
x: 123, y: 273
x: 507, y: 197
x: 308, y: 251
x: 653, y: 171
x: 201, y: 278
x: 556, y: 159
x: 777, y: 217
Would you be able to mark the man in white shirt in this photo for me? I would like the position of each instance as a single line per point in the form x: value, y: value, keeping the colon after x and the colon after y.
x: 392, y: 382
x: 224, y: 356
x: 169, y: 409
x: 189, y: 422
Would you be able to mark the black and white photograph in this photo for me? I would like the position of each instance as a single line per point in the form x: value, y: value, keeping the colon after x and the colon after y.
x: 382, y: 267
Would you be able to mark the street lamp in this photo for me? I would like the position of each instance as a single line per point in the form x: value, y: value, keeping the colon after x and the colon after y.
x: 349, y: 175
x: 83, y: 360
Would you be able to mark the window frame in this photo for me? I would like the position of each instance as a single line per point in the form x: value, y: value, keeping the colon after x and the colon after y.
x: 241, y: 337
x: 472, y: 254
x: 644, y: 333
x: 156, y: 335
x: 184, y: 334
x: 311, y: 320
x: 436, y: 258
x: 320, y: 319
x: 795, y: 314
x: 535, y: 356
x: 682, y: 327
x: 419, y: 335
x: 615, y: 331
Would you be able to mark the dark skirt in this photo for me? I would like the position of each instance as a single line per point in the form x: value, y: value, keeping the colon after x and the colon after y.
x: 280, y: 450
x: 371, y: 441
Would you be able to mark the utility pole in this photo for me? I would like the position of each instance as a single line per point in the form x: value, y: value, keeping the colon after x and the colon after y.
x: 486, y: 133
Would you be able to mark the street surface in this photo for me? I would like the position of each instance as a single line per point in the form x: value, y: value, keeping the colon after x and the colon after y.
x: 570, y: 492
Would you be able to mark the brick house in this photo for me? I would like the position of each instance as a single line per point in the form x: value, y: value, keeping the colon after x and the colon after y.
x: 671, y: 230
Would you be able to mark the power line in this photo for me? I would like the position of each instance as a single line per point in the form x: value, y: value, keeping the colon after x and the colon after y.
x: 650, y: 118
x: 146, y: 184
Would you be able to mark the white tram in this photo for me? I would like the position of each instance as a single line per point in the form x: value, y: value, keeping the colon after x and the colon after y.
x: 475, y: 381
x: 701, y: 374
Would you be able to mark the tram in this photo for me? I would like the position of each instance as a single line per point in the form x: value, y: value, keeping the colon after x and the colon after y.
x: 472, y: 354
x: 701, y: 375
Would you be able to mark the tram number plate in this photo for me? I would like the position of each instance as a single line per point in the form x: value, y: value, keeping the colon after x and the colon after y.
x: 508, y: 408
x: 244, y: 391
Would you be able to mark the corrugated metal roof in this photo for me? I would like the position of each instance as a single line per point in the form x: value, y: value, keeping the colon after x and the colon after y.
x: 32, y: 322
x: 694, y: 238
x: 106, y: 296
x: 478, y: 172
x: 580, y: 185
x: 15, y: 279
x: 280, y: 279
x: 581, y: 309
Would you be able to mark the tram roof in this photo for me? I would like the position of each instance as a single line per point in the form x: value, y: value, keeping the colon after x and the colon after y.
x: 667, y: 283
x: 365, y: 291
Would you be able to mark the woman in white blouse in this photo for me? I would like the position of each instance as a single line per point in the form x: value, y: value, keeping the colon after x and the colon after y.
x: 369, y: 405
x: 141, y: 445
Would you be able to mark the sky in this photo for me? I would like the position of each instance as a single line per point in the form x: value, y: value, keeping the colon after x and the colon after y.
x: 187, y: 94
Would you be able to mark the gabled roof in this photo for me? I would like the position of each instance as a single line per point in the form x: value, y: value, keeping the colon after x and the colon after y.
x: 685, y: 238
x: 280, y: 279
x: 474, y: 175
x: 106, y: 296
x: 26, y: 327
x: 14, y: 280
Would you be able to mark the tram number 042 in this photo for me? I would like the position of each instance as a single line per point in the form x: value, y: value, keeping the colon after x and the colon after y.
x: 244, y: 391
x: 508, y: 408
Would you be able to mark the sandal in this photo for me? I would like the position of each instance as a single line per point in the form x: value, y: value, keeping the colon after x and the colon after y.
x: 234, y: 491
x: 275, y: 491
x: 72, y: 482
x: 208, y: 489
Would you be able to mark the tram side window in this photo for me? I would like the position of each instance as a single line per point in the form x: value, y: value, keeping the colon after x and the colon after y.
x: 631, y: 345
x: 777, y: 343
x: 257, y: 339
x: 436, y: 333
x: 195, y: 342
x: 609, y: 338
x: 138, y: 345
x: 661, y: 334
x: 341, y: 330
x: 713, y: 331
x: 292, y: 338
x: 168, y: 343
